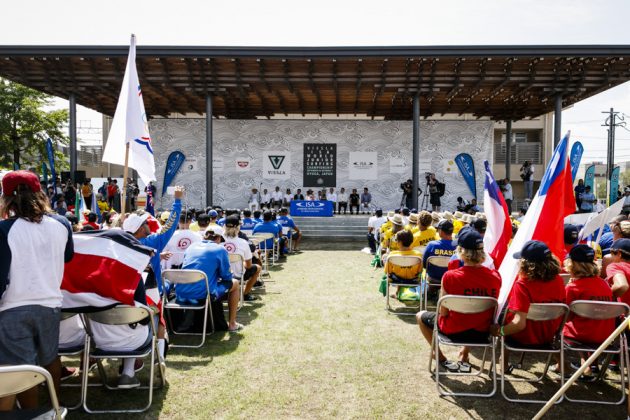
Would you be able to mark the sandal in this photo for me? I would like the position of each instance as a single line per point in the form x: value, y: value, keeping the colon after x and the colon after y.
x: 464, y: 367
x: 237, y: 328
x: 450, y: 366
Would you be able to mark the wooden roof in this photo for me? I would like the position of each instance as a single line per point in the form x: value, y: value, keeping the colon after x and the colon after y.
x: 500, y: 82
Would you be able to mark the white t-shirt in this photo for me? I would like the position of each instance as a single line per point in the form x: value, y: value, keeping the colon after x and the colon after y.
x: 119, y: 337
x: 180, y: 241
x: 375, y: 223
x: 277, y: 195
x: 71, y: 332
x: 32, y: 257
x: 331, y: 197
x: 238, y: 246
x: 342, y: 197
x: 507, y: 193
x: 266, y: 198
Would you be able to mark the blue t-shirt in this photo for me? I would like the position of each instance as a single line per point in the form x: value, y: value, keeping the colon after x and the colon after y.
x: 442, y: 248
x: 248, y: 223
x: 268, y: 227
x: 221, y: 221
x: 259, y: 220
x: 212, y: 259
x: 605, y: 242
x: 286, y: 222
x: 587, y: 201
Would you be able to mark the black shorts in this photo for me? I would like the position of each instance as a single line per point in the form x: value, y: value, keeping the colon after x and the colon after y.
x: 428, y: 319
x: 249, y: 272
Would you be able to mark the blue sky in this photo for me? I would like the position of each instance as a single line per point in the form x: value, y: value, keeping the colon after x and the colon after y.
x: 349, y: 23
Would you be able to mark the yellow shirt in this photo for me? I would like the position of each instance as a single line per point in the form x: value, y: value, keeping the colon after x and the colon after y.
x: 389, y: 240
x: 407, y: 273
x: 457, y: 226
x: 412, y: 228
x: 102, y: 206
x: 423, y: 237
x: 385, y: 226
x: 194, y: 226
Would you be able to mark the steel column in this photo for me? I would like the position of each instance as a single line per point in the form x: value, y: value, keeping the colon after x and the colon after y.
x: 208, y: 150
x: 72, y: 127
x: 415, y: 157
x: 557, y: 121
x: 508, y: 148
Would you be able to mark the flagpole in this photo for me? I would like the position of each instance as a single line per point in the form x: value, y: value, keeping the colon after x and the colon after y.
x: 125, y: 174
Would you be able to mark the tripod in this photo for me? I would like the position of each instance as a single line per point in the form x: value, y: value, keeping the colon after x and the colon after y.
x: 424, y: 204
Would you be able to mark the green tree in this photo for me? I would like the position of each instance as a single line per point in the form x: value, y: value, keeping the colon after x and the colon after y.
x: 25, y: 125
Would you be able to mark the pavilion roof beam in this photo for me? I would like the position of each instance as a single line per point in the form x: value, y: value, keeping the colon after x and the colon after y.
x: 357, y: 90
x: 144, y: 80
x: 314, y: 88
x: 169, y: 82
x: 335, y: 85
x: 261, y: 74
x: 191, y: 80
x: 287, y: 77
x: 431, y: 95
x: 239, y: 84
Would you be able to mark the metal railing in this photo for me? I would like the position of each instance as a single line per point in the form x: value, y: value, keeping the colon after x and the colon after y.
x: 519, y: 153
x: 90, y: 156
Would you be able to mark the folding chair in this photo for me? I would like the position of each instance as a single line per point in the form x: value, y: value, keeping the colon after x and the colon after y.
x: 466, y: 305
x: 236, y: 260
x: 262, y: 238
x: 286, y: 231
x: 401, y: 261
x: 121, y: 315
x: 247, y: 232
x: 19, y: 378
x: 538, y: 312
x: 436, y: 261
x: 596, y: 310
x: 186, y: 277
x: 566, y: 277
x: 74, y: 351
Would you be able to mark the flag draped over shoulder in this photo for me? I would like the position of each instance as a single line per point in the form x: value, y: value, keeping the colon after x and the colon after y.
x: 105, y: 269
x: 130, y: 125
x: 499, y: 228
x: 545, y: 217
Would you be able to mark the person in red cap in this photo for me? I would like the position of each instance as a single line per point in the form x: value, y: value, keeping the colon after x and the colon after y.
x: 30, y: 295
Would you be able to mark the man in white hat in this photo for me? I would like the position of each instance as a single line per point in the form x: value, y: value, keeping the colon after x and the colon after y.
x: 389, y: 238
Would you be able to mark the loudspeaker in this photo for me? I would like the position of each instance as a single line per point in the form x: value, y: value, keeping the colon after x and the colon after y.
x: 79, y: 177
x: 65, y: 176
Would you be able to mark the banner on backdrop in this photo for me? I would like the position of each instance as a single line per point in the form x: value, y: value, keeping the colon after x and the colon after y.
x: 243, y: 164
x: 467, y: 167
x: 276, y: 165
x: 173, y: 163
x: 363, y: 165
x: 589, y: 178
x: 398, y: 166
x: 320, y: 165
x: 614, y: 185
x: 301, y: 208
x: 575, y: 157
x: 51, y: 162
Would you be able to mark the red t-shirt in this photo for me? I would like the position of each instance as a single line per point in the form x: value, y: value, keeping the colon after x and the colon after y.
x: 623, y: 268
x: 94, y: 225
x: 523, y: 294
x: 588, y: 330
x: 469, y: 281
x: 111, y: 190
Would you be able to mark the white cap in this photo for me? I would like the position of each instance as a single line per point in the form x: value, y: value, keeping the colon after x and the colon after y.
x: 216, y: 229
x: 133, y: 222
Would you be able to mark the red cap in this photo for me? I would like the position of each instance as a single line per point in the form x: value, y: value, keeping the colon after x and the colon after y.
x: 11, y: 180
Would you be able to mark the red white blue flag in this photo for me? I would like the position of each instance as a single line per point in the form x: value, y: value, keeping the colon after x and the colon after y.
x: 499, y: 228
x: 105, y: 269
x: 545, y: 217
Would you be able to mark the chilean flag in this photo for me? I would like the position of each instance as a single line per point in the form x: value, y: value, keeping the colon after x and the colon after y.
x: 544, y: 220
x: 499, y: 229
x: 105, y: 270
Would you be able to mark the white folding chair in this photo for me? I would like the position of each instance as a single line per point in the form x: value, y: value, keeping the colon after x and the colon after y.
x: 74, y: 351
x: 596, y: 310
x: 247, y: 232
x: 262, y: 239
x: 406, y: 261
x: 538, y: 312
x: 186, y: 277
x: 121, y: 315
x: 19, y: 378
x: 286, y: 231
x: 436, y: 261
x: 236, y: 262
x: 465, y: 305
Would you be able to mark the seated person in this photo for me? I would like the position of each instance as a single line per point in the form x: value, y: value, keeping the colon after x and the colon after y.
x: 287, y: 221
x: 619, y: 231
x: 426, y: 232
x: 248, y: 223
x: 410, y: 275
x: 270, y: 226
x: 538, y: 281
x: 473, y: 279
x: 586, y: 284
x: 235, y: 245
x: 388, y: 242
x: 211, y: 258
x: 443, y: 247
x: 618, y: 271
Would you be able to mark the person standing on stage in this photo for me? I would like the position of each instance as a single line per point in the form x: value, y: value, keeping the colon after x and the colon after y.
x: 331, y: 196
x: 435, y: 192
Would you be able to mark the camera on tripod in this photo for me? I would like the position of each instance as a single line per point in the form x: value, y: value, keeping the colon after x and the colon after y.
x: 427, y: 176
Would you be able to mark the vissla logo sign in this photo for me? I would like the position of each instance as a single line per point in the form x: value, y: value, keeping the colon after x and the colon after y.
x: 276, y: 161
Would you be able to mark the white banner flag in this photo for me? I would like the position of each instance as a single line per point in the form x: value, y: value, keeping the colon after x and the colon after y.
x: 276, y: 165
x: 130, y: 125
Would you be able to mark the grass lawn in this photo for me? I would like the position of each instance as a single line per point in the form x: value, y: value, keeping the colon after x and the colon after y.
x: 319, y: 345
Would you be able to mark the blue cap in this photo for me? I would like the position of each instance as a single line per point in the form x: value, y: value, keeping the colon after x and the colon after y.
x: 534, y: 251
x: 213, y: 213
x: 469, y: 239
x: 622, y: 244
x: 582, y: 253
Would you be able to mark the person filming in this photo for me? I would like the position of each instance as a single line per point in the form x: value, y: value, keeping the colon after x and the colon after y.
x: 407, y: 188
x: 436, y: 190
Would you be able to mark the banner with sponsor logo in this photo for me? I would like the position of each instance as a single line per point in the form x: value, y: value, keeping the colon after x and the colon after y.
x: 276, y: 165
x: 243, y: 164
x: 51, y: 162
x: 589, y: 178
x: 614, y: 185
x: 575, y: 157
x: 301, y: 208
x: 362, y: 165
x: 320, y: 165
x: 173, y: 163
x: 467, y: 167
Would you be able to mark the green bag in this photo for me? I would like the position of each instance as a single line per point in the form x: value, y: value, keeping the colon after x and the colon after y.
x: 409, y: 294
x: 383, y: 287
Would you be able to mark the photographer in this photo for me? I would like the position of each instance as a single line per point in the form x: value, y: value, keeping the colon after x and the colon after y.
x: 407, y: 188
x: 436, y: 190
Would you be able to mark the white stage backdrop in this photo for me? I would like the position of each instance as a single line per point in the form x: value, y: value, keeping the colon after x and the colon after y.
x: 242, y: 149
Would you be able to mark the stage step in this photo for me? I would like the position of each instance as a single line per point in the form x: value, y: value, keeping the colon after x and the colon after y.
x: 336, y: 228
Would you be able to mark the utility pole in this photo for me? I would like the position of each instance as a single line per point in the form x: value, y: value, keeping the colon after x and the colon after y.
x: 614, y: 120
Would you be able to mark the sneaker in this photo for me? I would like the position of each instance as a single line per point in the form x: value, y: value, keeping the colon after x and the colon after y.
x: 127, y: 382
x: 259, y: 283
x: 250, y: 298
x: 67, y: 373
